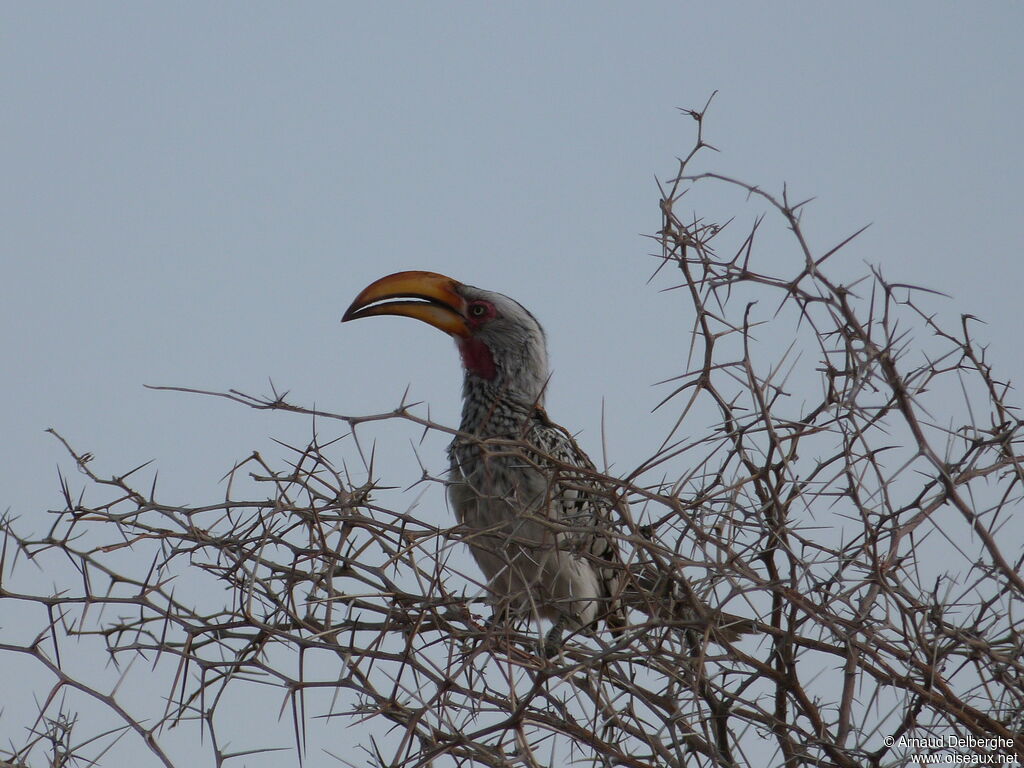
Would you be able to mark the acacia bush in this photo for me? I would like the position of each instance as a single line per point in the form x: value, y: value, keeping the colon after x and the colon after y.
x: 837, y: 464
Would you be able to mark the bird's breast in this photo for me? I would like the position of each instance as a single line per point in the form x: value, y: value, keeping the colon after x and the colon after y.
x: 493, y: 475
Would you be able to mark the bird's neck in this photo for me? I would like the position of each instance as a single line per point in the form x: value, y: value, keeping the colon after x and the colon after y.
x: 488, y: 410
x: 501, y: 392
x: 503, y: 385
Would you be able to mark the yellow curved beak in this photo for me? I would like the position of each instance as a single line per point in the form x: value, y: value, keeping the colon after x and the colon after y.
x: 425, y: 296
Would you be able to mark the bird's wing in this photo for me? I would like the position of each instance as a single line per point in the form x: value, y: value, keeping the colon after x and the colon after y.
x: 579, y: 502
x: 586, y: 503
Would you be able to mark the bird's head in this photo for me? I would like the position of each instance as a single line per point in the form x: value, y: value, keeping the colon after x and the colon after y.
x: 502, y: 345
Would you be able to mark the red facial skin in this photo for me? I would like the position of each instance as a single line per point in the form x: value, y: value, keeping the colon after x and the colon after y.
x: 476, y: 356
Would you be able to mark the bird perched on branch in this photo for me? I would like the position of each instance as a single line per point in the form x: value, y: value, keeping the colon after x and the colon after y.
x: 537, y: 522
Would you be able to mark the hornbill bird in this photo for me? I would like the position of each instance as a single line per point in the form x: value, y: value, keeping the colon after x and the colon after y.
x: 542, y: 533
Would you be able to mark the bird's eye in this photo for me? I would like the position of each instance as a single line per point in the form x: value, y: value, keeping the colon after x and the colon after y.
x: 477, y: 310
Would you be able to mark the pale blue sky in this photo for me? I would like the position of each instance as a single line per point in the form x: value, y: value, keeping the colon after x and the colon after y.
x: 194, y: 192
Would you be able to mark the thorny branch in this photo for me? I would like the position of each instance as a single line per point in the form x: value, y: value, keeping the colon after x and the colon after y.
x: 854, y: 493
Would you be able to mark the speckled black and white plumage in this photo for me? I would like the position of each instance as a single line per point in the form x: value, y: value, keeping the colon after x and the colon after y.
x: 540, y: 532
